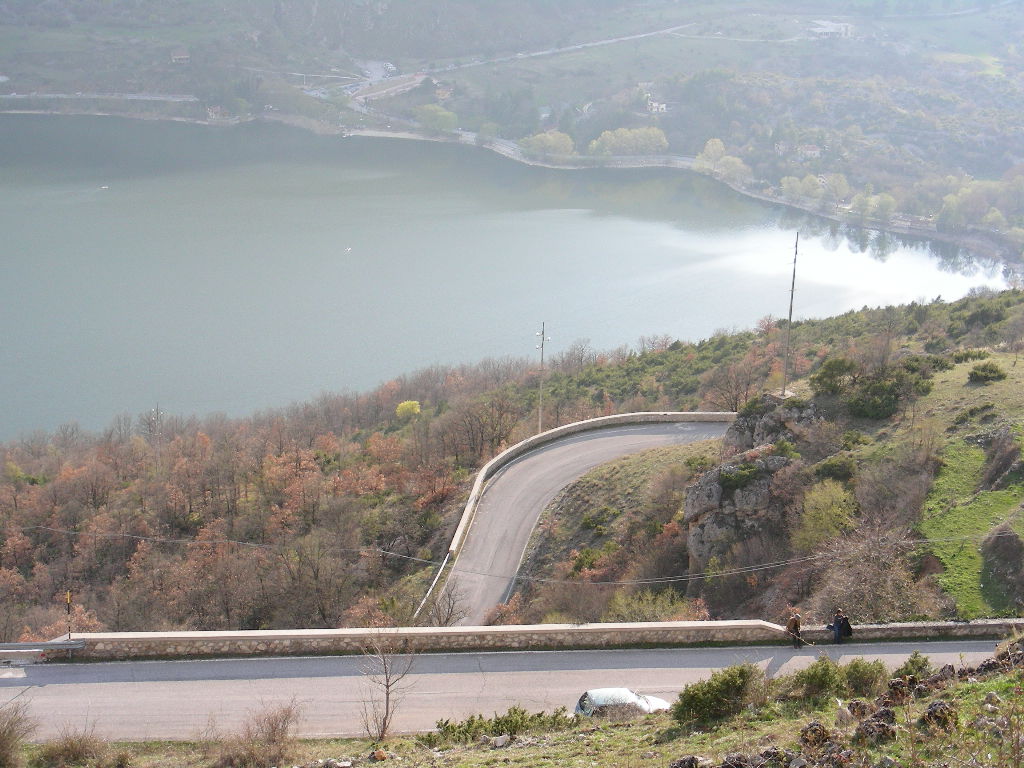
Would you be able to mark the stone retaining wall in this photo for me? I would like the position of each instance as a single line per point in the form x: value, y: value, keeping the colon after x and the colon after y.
x: 140, y: 645
x: 121, y: 645
x: 978, y: 629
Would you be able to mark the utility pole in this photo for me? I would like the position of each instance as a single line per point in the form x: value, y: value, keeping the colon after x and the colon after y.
x: 540, y: 385
x: 789, y: 321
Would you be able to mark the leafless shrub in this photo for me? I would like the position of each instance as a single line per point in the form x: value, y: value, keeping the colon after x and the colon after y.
x: 574, y: 359
x: 818, y: 439
x: 867, y: 573
x: 385, y: 670
x: 445, y: 609
x: 506, y: 613
x: 265, y: 739
x: 891, y: 492
x: 16, y: 725
x: 73, y: 746
x: 729, y: 386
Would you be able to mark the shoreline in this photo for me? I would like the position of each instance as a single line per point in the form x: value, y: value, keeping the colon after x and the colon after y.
x: 978, y: 244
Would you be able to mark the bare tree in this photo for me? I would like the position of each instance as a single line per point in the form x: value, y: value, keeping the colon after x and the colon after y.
x: 385, y: 670
x: 730, y: 385
x: 654, y: 343
x: 447, y: 608
x: 575, y: 358
x: 1013, y: 336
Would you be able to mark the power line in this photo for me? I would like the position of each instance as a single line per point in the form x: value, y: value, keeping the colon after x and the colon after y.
x: 739, y: 571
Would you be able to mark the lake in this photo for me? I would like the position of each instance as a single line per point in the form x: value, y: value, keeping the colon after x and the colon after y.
x: 234, y: 269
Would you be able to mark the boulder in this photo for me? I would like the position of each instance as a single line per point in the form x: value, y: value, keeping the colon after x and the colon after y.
x: 885, y: 715
x: 941, y: 715
x: 739, y: 760
x: 691, y: 761
x: 873, y: 731
x: 858, y: 708
x: 814, y: 735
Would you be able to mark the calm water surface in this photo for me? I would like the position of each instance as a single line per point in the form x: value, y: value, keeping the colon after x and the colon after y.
x: 236, y: 269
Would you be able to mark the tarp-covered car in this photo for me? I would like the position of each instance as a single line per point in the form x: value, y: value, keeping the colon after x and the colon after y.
x: 601, y: 700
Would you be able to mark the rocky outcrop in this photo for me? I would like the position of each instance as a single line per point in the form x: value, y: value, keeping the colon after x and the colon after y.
x: 767, y: 420
x: 730, y: 513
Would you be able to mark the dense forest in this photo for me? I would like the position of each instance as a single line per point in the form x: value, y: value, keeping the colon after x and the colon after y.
x: 334, y: 512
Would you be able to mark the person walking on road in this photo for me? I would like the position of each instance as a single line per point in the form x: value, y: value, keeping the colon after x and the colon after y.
x: 793, y: 629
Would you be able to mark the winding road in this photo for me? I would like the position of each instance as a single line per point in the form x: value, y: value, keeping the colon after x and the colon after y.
x: 484, y: 573
x: 180, y: 699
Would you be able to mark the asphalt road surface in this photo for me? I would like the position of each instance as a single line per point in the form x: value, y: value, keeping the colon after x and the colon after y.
x: 181, y: 699
x: 514, y: 498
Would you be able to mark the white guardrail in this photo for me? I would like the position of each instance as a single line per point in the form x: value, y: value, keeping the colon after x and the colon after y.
x: 522, y: 448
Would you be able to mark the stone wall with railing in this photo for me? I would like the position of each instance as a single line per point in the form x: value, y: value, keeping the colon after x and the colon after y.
x: 142, y: 645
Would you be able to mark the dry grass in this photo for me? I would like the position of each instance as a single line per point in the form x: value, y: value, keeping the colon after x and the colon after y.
x: 73, y: 747
x: 15, y: 727
x: 266, y: 739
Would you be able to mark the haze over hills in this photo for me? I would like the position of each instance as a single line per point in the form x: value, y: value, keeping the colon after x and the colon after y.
x: 900, y: 115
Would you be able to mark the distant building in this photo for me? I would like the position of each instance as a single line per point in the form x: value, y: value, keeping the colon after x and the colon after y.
x: 656, y: 106
x: 809, y: 151
x: 181, y: 56
x: 832, y: 29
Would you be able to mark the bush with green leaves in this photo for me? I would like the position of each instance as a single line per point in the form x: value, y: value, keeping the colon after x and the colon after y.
x: 727, y: 692
x: 822, y: 678
x: 917, y: 664
x: 966, y: 355
x: 879, y: 396
x: 841, y: 467
x: 515, y: 721
x: 785, y: 448
x: 834, y: 376
x: 828, y: 511
x: 984, y: 373
x: 732, y: 479
x: 757, y: 406
x: 865, y: 678
x: 646, y: 605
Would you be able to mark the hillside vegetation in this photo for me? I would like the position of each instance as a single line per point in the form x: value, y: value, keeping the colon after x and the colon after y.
x: 893, y: 488
x: 334, y: 512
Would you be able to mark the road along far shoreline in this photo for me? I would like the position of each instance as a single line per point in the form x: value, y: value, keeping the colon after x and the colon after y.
x: 980, y: 244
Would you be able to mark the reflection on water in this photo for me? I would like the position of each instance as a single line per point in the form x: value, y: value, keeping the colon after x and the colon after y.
x: 236, y: 269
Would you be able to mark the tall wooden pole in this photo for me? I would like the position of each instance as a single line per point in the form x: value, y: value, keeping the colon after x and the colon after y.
x: 789, y: 320
x: 540, y: 385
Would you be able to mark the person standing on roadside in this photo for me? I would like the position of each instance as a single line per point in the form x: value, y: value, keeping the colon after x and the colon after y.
x: 793, y: 629
x: 840, y: 626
